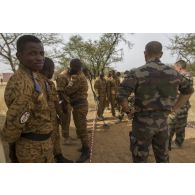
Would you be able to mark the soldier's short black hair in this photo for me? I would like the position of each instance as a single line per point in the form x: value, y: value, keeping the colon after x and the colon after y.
x: 102, y: 73
x: 48, y: 67
x: 76, y: 63
x: 153, y: 47
x: 181, y: 63
x: 48, y: 63
x: 118, y: 74
x: 23, y: 40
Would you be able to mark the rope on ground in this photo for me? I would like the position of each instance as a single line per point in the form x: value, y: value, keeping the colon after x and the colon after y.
x: 93, y: 134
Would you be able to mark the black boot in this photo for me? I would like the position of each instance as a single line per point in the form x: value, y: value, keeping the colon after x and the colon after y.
x: 61, y: 159
x: 85, y: 154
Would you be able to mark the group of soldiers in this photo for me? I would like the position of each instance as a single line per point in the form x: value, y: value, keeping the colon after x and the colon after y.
x: 36, y: 107
x: 106, y: 90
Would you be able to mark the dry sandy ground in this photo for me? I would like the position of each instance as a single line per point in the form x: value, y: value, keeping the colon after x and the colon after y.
x: 112, y: 145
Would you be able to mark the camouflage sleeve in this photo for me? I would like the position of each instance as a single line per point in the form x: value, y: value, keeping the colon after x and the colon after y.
x: 58, y: 108
x: 108, y: 87
x: 61, y: 83
x: 19, y: 110
x: 126, y: 87
x: 73, y: 85
x: 186, y: 85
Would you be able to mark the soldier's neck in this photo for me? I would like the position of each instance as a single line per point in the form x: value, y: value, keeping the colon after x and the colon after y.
x: 153, y: 59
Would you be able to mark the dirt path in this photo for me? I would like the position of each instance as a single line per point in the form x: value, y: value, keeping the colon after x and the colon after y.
x: 112, y: 145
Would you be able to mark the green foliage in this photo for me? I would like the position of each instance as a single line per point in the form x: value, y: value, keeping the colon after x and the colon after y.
x: 97, y: 54
x: 183, y: 45
x: 191, y: 68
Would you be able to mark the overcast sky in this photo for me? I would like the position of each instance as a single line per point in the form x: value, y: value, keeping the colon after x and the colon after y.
x: 132, y: 57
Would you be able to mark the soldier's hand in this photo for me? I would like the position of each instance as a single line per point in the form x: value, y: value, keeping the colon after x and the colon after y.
x: 130, y: 115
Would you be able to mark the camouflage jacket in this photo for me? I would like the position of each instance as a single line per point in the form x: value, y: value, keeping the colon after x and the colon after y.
x: 62, y: 81
x: 189, y: 78
x: 155, y: 86
x: 26, y: 96
x: 117, y: 82
x: 77, y: 89
x: 100, y: 87
x: 111, y: 87
x: 53, y: 102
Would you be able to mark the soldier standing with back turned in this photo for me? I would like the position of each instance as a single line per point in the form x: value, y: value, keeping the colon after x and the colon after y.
x: 155, y: 86
x: 76, y: 90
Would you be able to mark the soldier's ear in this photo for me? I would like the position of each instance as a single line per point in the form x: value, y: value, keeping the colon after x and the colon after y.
x: 161, y: 54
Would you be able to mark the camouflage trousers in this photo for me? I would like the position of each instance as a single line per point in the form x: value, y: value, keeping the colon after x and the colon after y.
x: 177, y: 123
x: 112, y: 101
x: 80, y: 121
x: 149, y: 129
x: 28, y: 151
x: 101, y: 106
x: 56, y: 141
x: 66, y: 118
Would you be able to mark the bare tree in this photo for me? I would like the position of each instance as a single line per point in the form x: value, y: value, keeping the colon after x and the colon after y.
x: 51, y: 42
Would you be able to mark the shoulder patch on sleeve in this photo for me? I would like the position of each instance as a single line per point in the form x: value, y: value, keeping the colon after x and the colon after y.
x: 24, y: 117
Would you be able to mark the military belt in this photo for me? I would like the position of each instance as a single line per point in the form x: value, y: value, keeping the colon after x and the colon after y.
x: 36, y: 137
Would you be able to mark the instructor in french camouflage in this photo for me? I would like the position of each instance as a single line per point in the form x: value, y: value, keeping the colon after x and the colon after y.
x: 62, y: 81
x: 100, y: 89
x: 178, y: 121
x: 155, y: 86
x: 28, y: 125
x: 77, y: 91
x: 56, y: 110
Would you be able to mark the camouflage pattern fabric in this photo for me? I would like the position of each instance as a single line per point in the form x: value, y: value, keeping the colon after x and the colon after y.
x: 62, y: 81
x: 178, y: 121
x: 53, y: 103
x: 80, y: 121
x: 100, y: 89
x: 149, y: 128
x: 112, y: 91
x: 28, y: 151
x: 77, y: 91
x: 155, y: 86
x: 28, y: 112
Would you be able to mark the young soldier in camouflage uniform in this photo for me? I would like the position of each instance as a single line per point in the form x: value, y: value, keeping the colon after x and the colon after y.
x: 77, y: 91
x: 100, y: 89
x: 155, y: 87
x: 178, y: 121
x: 112, y: 90
x: 28, y: 125
x: 56, y: 110
x: 108, y: 77
x: 62, y: 81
